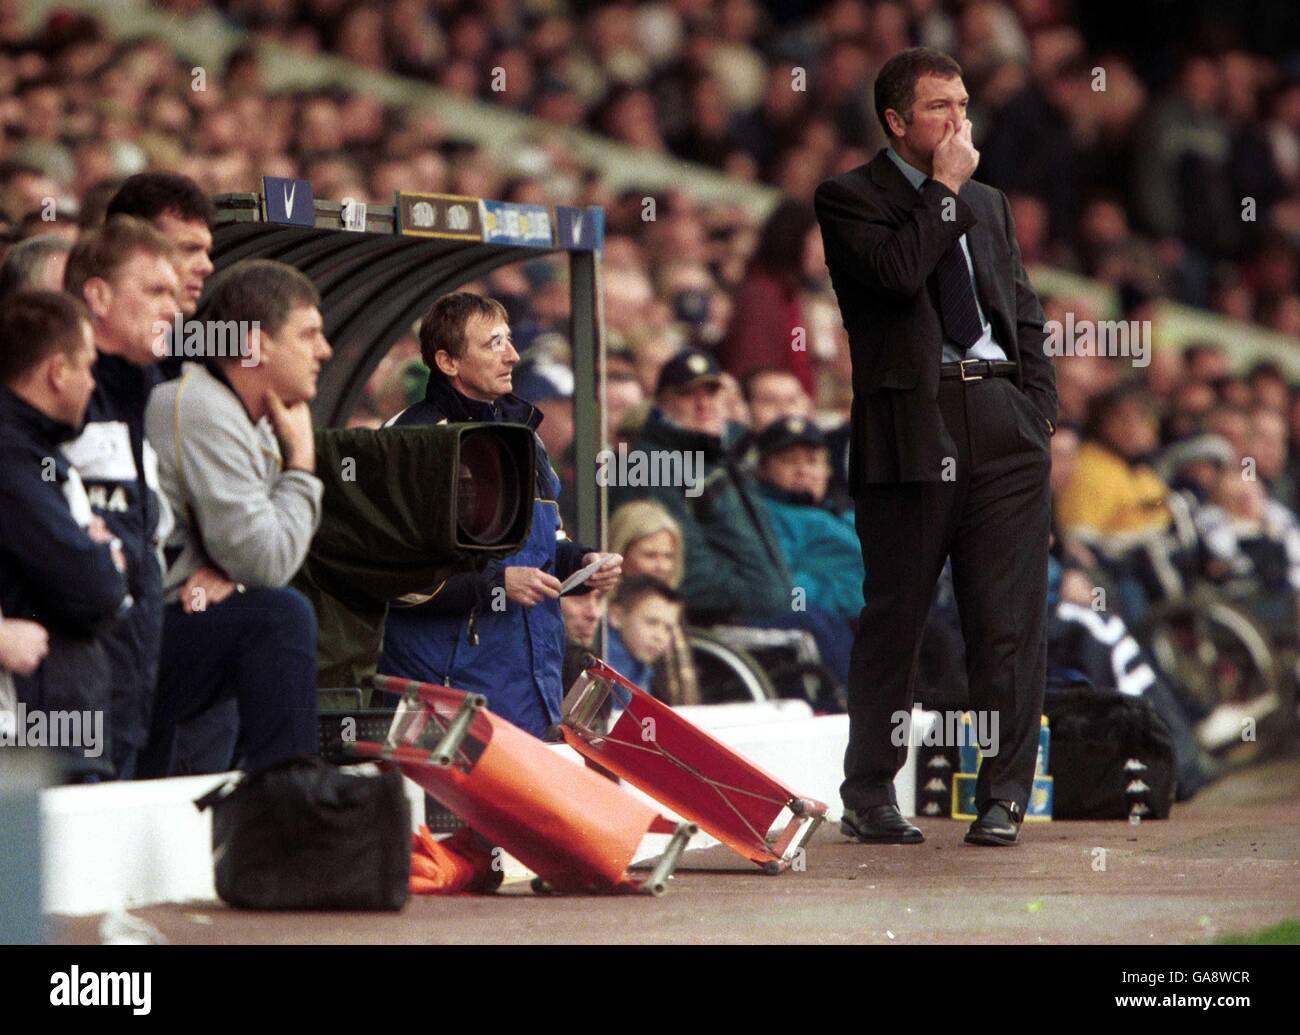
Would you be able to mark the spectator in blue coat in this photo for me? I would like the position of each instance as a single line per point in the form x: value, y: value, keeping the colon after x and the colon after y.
x: 819, y: 544
x: 123, y: 273
x: 61, y: 574
x: 642, y: 619
x: 498, y: 632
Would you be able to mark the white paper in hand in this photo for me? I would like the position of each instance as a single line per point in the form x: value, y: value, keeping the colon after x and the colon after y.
x: 582, y: 575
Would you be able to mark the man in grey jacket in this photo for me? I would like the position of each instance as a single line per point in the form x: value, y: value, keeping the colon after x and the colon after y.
x: 236, y: 458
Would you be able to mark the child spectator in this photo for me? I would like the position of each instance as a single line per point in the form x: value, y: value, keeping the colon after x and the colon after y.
x: 651, y: 544
x: 642, y: 616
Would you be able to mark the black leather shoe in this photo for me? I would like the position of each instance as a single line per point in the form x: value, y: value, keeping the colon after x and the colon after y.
x: 880, y: 825
x: 998, y: 824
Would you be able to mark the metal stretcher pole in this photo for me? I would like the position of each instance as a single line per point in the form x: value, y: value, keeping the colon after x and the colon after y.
x: 445, y: 751
x: 656, y: 883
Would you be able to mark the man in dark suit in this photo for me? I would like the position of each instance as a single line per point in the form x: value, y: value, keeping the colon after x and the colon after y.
x: 954, y: 405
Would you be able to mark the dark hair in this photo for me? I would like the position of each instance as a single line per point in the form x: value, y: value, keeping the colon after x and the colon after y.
x: 1266, y: 368
x: 633, y: 589
x: 12, y: 168
x: 33, y: 326
x: 781, y: 241
x: 260, y: 291
x: 95, y: 200
x: 1102, y: 406
x: 1200, y: 348
x: 150, y: 195
x: 443, y: 326
x: 102, y: 252
x: 896, y: 81
x: 24, y: 260
x: 43, y: 82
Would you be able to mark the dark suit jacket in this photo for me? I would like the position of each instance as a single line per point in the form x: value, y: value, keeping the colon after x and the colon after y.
x: 883, y: 239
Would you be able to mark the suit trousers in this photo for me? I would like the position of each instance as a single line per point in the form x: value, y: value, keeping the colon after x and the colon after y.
x: 991, y: 514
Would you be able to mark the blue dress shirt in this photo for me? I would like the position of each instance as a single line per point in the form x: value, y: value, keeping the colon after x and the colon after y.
x: 987, y: 346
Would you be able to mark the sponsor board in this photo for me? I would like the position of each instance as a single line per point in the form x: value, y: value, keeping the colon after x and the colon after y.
x: 455, y: 216
x: 505, y: 222
x: 580, y: 229
x: 288, y: 201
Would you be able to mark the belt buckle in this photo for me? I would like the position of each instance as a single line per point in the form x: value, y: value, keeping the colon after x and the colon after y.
x: 961, y: 363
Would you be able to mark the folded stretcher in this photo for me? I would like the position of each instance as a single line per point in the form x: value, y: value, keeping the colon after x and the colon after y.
x: 684, y: 768
x: 576, y: 830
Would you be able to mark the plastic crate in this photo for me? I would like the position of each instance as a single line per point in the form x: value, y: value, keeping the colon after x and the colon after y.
x: 338, y: 728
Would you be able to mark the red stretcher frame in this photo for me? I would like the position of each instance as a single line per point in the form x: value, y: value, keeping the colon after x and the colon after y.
x: 684, y: 768
x: 575, y: 829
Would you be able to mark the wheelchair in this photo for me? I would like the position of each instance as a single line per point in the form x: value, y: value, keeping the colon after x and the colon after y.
x: 740, y: 663
x: 1229, y: 647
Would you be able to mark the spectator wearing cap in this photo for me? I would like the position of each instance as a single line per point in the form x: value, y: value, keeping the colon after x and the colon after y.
x: 733, y: 563
x: 772, y: 394
x: 1192, y: 465
x: 819, y: 543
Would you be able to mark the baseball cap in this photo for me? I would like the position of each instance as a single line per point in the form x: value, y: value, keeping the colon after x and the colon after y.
x: 786, y: 432
x: 688, y: 368
x: 539, y: 380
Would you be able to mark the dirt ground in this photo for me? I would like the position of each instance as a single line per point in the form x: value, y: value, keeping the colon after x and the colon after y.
x: 1228, y: 862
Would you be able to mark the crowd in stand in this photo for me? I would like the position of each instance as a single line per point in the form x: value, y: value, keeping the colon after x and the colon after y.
x: 724, y: 340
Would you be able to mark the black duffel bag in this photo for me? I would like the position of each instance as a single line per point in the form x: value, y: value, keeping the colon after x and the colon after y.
x: 308, y: 835
x: 1111, y: 756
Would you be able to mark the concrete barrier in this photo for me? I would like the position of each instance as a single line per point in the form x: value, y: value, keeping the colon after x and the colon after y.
x: 124, y: 845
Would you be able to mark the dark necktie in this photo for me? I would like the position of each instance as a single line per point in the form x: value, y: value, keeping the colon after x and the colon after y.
x: 961, y: 319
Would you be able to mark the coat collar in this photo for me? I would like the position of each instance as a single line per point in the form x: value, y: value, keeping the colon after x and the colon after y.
x: 886, y: 175
x: 458, y: 408
x: 23, y: 414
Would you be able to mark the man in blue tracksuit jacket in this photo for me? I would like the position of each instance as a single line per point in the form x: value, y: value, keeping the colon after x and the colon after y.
x: 57, y: 567
x: 124, y: 274
x: 499, y: 632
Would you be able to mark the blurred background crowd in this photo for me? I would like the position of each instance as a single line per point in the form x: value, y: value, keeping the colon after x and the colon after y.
x: 1154, y: 151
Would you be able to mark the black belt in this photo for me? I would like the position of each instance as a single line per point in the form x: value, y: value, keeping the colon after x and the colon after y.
x: 977, y: 369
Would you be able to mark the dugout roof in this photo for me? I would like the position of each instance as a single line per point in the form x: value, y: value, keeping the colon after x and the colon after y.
x: 376, y: 282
